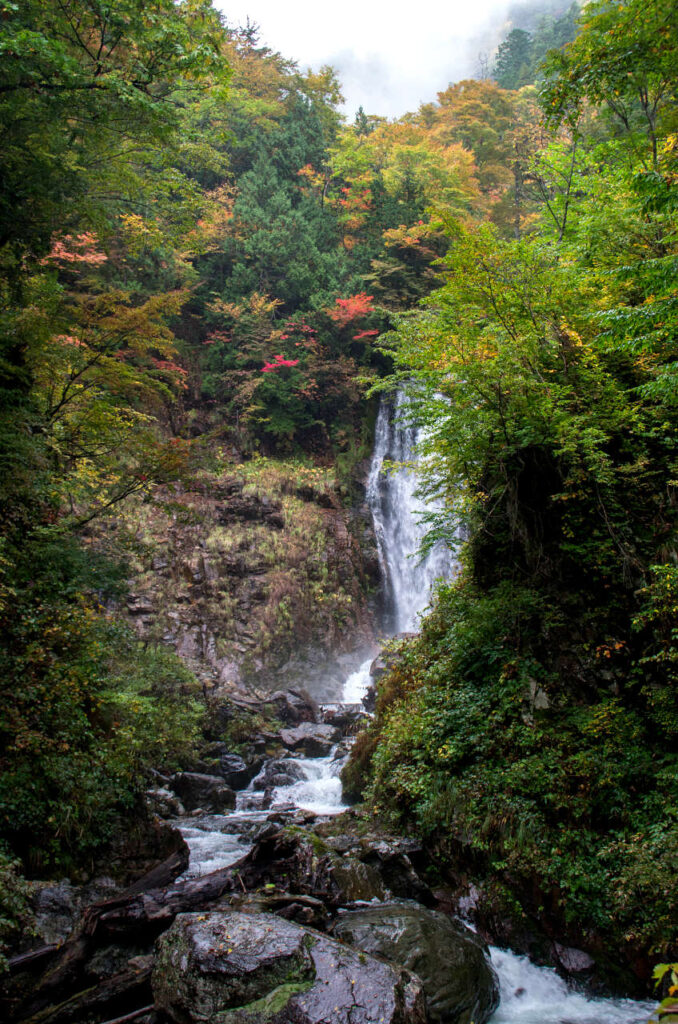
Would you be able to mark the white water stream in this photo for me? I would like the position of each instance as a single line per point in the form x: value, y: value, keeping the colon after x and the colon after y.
x: 529, y: 994
x: 396, y: 514
x: 537, y: 995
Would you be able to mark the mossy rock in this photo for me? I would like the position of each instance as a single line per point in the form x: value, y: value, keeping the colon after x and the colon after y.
x: 230, y: 967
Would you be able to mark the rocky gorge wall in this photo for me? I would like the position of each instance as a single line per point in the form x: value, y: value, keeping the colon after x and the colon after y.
x: 257, y: 576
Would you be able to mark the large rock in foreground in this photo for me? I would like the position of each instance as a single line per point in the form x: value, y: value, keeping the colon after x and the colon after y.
x: 235, y: 968
x: 460, y: 985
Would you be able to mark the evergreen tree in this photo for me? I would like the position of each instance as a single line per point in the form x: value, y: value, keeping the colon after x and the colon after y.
x: 513, y: 65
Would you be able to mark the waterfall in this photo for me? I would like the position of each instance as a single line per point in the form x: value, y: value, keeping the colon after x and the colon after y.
x: 397, y: 522
x: 399, y: 531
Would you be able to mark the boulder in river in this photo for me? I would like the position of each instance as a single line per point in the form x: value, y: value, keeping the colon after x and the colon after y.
x: 460, y: 985
x: 235, y: 772
x: 164, y: 802
x: 208, y: 792
x: 349, y: 719
x: 311, y: 739
x: 297, y: 860
x: 293, y: 706
x: 279, y: 772
x: 235, y: 968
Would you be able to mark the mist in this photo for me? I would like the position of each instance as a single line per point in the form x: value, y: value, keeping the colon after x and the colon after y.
x: 389, y: 60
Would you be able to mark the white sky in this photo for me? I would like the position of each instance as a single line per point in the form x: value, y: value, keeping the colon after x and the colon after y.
x: 389, y: 56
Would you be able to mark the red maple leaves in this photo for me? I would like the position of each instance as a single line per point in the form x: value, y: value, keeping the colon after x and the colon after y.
x: 277, y: 364
x: 351, y: 308
x: 80, y: 248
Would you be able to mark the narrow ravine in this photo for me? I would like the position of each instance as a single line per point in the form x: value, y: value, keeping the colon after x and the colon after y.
x: 529, y: 994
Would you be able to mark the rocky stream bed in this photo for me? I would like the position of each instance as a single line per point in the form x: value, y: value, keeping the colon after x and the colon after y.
x: 281, y: 905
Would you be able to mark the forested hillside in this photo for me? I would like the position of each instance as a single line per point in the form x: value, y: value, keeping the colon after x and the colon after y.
x: 207, y: 275
x: 531, y: 729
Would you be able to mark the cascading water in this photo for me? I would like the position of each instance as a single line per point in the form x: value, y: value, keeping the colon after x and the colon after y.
x: 396, y: 514
x: 399, y: 531
x: 529, y: 994
x: 536, y: 995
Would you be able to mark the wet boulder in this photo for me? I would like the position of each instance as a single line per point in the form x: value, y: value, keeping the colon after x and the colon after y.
x: 163, y: 802
x: 207, y: 792
x: 369, y: 700
x: 279, y: 772
x: 238, y: 968
x: 399, y: 861
x: 58, y: 906
x: 460, y: 985
x: 349, y: 718
x: 260, y: 801
x: 235, y: 772
x: 293, y: 707
x: 311, y: 739
x: 295, y: 859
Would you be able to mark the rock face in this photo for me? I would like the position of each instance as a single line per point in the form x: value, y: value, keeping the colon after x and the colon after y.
x: 235, y: 968
x: 459, y: 983
x: 213, y: 565
x: 208, y: 792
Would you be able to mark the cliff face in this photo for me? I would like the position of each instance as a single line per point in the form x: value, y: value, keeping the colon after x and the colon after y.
x: 254, y: 577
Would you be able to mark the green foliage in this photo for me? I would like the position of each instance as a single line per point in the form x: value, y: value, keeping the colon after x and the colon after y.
x: 86, y: 713
x: 667, y: 1011
x: 177, y: 259
x: 85, y: 86
x: 623, y: 59
x: 513, y: 66
x: 482, y: 744
x: 16, y: 917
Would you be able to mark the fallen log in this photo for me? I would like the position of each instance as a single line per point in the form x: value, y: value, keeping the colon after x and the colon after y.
x: 162, y: 874
x: 132, y: 919
x: 141, y: 1012
x: 23, y: 960
x: 124, y: 992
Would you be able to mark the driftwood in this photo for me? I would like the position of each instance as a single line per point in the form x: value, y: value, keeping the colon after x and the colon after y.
x: 161, y: 875
x: 31, y: 959
x: 141, y: 1012
x: 65, y: 993
x: 126, y: 989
